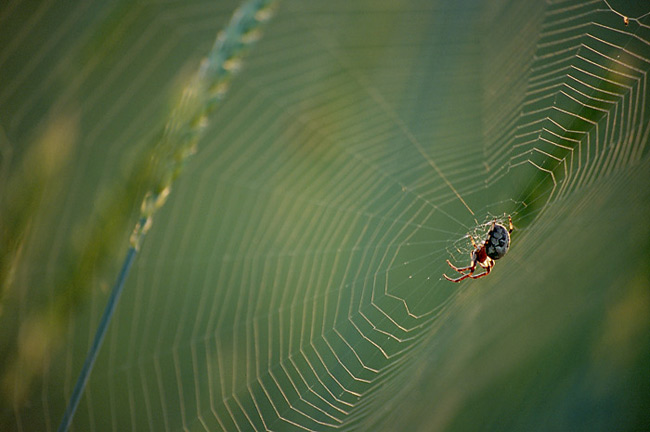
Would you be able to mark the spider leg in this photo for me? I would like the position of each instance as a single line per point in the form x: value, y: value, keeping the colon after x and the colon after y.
x: 471, y: 269
x: 511, y: 226
x: 465, y: 276
x: 487, y: 267
x: 485, y: 273
x: 462, y: 269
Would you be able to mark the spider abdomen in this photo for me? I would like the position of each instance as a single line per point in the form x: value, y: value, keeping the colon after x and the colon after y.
x: 498, y: 242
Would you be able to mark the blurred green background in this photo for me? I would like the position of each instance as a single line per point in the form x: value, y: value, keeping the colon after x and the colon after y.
x: 293, y: 280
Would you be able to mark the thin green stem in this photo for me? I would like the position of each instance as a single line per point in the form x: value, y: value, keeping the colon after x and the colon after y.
x: 97, y: 342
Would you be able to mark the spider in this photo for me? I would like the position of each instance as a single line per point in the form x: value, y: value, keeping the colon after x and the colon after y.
x: 494, y: 247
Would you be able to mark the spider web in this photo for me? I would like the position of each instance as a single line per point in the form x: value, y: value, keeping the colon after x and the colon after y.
x: 294, y: 281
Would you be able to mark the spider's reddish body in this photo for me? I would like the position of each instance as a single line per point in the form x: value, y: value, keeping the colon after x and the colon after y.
x: 481, y: 254
x: 497, y: 241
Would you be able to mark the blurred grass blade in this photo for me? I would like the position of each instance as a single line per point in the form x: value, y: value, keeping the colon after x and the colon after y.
x: 177, y: 142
